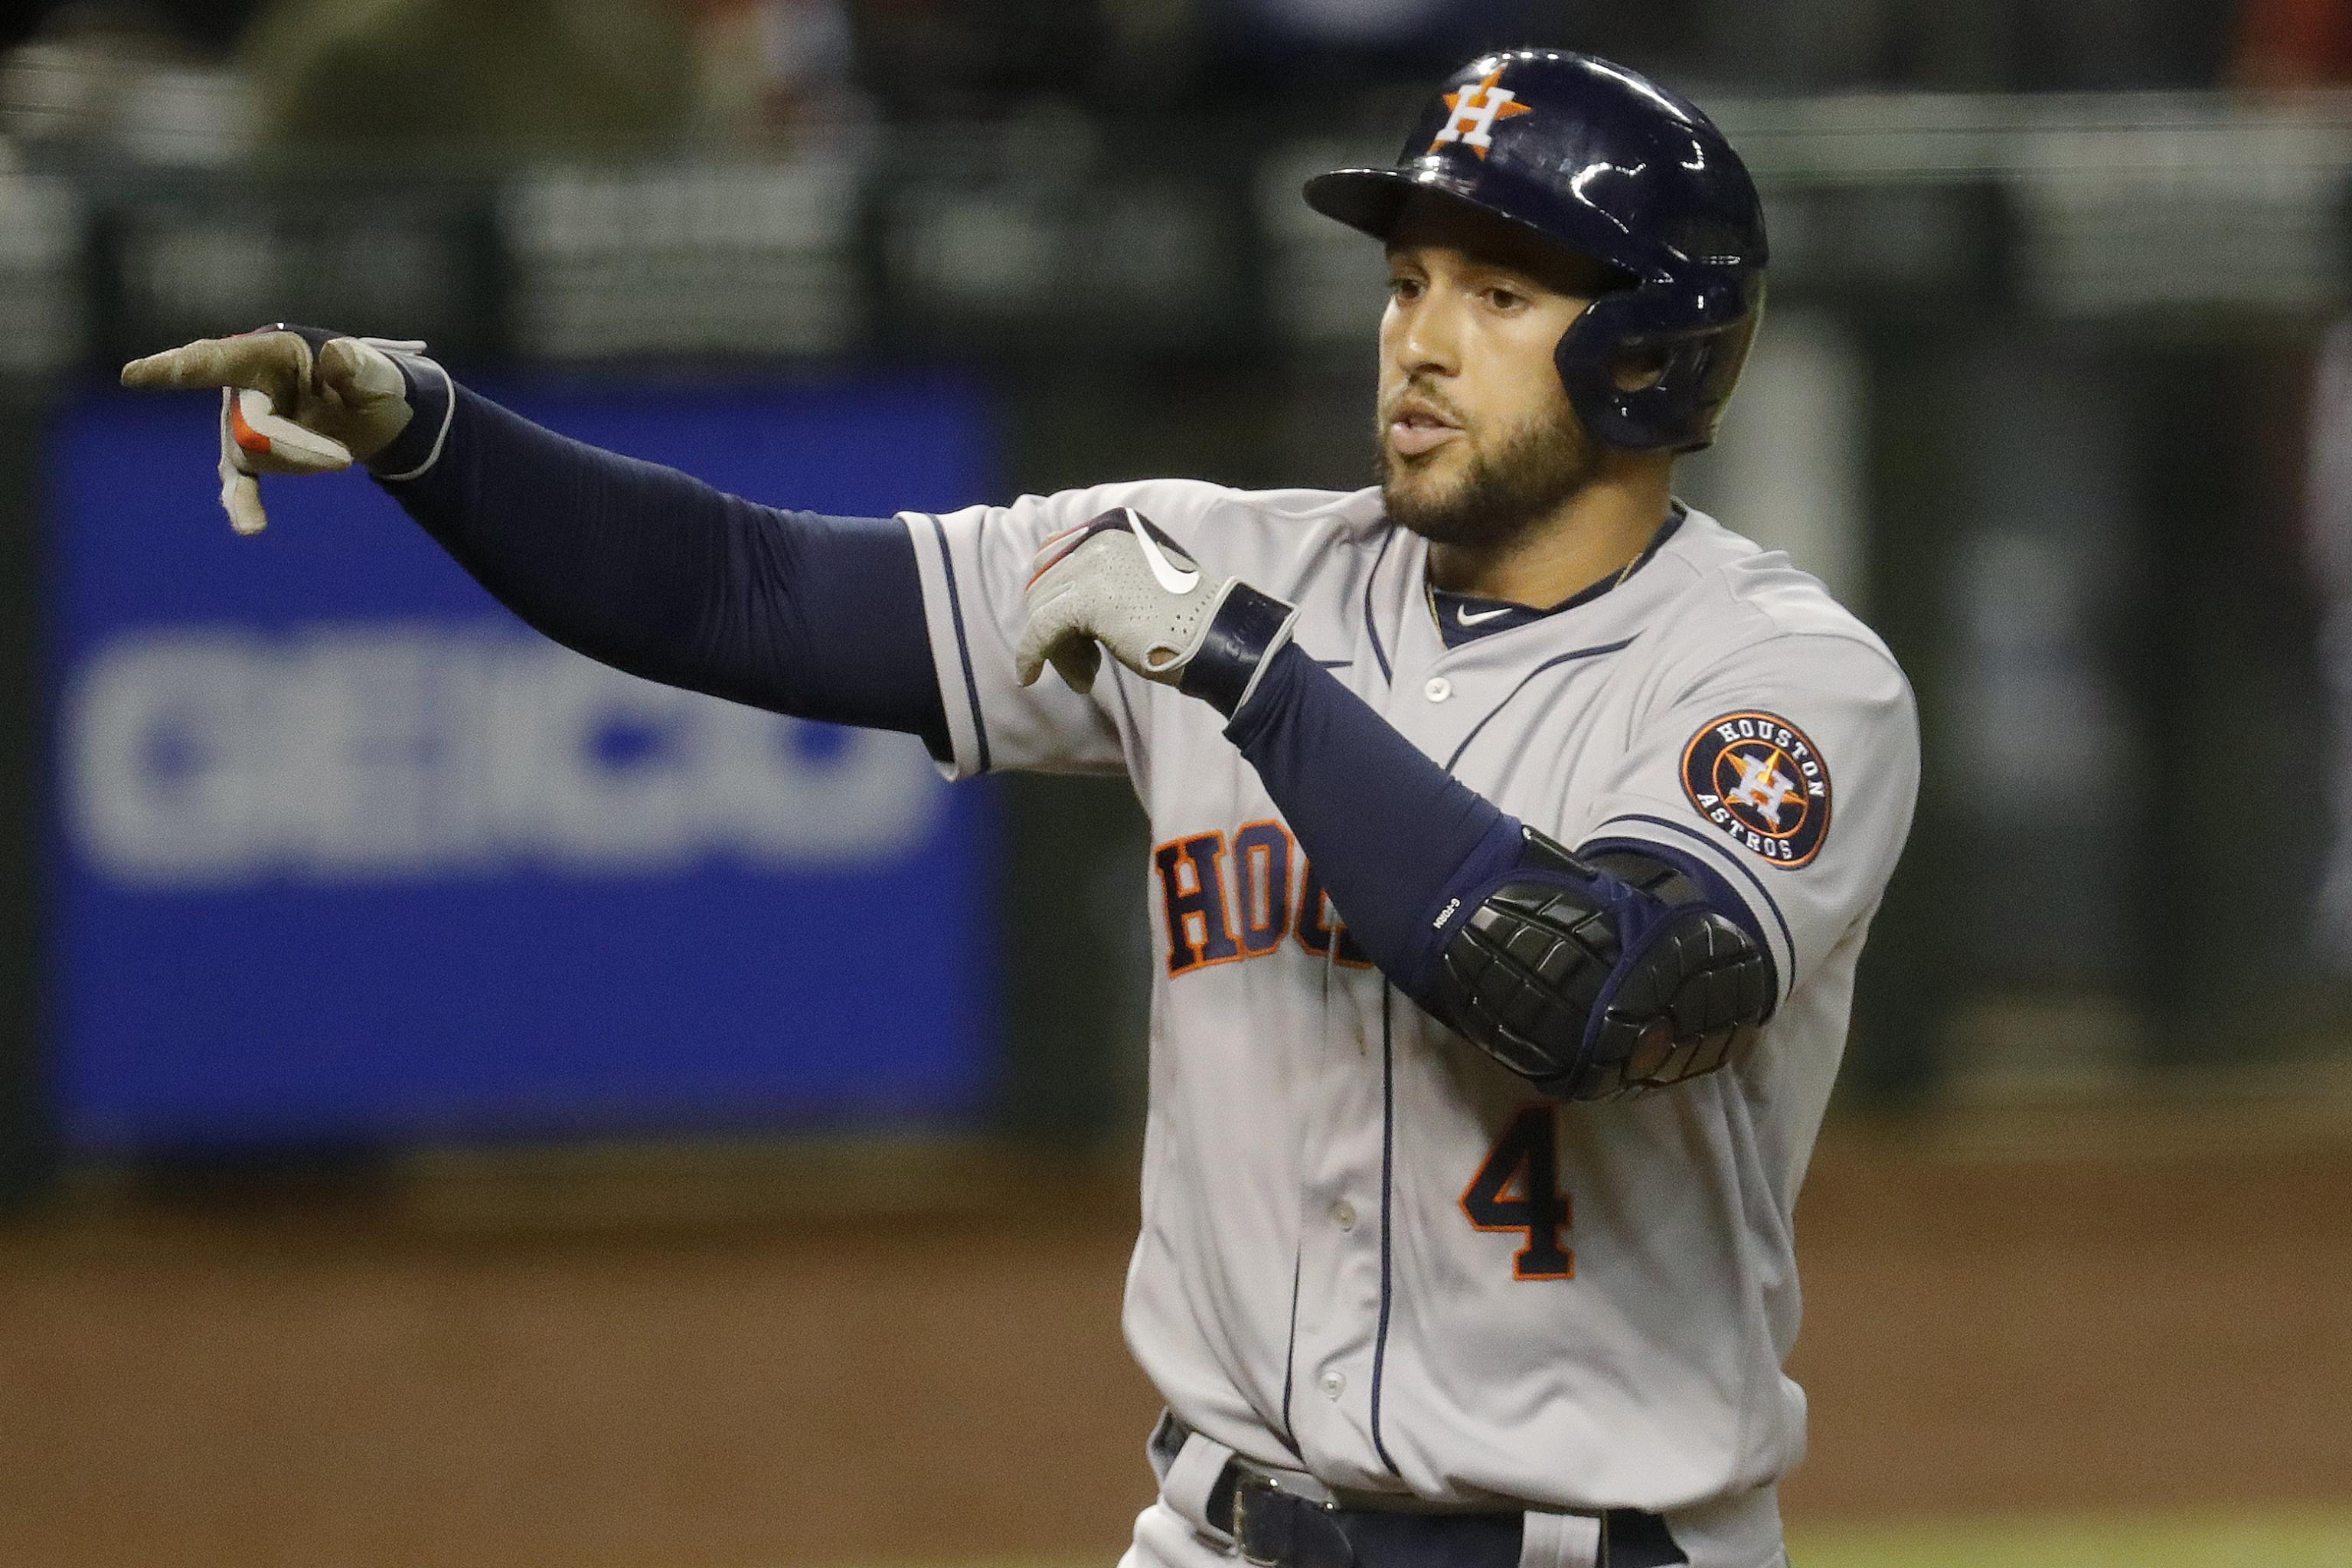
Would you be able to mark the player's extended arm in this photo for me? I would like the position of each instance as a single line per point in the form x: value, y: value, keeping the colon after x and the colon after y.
x: 631, y: 563
x: 1611, y: 971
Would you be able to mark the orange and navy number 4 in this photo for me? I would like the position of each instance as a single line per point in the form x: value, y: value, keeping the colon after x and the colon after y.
x: 1517, y: 1189
x: 1225, y: 902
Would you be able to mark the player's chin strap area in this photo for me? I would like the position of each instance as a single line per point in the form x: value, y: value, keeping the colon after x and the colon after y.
x: 1600, y: 975
x: 1284, y: 1519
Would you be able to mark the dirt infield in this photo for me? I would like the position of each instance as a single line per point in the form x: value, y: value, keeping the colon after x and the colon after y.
x: 676, y: 1366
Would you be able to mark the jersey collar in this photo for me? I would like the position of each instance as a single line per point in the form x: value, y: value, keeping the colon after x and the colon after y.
x: 1465, y: 618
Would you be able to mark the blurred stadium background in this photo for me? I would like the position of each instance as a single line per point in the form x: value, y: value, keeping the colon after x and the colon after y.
x: 459, y: 1106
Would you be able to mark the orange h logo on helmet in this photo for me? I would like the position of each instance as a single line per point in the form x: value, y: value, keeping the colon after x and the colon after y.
x: 1475, y: 111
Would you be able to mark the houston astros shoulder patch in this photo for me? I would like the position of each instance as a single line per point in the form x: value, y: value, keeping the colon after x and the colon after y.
x: 1759, y: 780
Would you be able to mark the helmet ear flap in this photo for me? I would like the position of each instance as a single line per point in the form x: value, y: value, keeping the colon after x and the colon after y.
x: 1697, y: 345
x: 1587, y: 361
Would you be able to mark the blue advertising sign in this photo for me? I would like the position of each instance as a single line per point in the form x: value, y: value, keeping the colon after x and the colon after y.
x: 343, y: 852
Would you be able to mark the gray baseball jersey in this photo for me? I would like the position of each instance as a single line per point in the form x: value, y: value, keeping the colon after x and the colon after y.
x: 1369, y: 1252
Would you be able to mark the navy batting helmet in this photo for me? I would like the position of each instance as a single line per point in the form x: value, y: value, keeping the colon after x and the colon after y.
x: 1610, y: 164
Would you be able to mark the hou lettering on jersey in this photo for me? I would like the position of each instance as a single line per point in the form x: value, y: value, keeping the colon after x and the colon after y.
x: 1231, y: 900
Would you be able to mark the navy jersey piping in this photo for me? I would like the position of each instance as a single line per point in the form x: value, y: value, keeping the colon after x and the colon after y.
x: 1754, y: 880
x: 1617, y: 647
x: 1291, y: 1350
x: 1387, y: 1186
x: 1370, y: 629
x: 963, y: 644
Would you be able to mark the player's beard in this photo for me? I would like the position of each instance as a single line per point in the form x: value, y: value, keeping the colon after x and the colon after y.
x: 1500, y: 493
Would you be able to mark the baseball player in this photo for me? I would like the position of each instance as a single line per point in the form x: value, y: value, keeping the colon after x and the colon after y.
x: 1516, y: 828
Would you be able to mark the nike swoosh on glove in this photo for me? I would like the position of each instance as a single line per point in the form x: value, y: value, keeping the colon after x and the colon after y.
x: 294, y: 400
x: 1119, y: 583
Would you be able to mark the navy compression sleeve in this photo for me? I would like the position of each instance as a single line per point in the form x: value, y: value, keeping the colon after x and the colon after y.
x: 1392, y: 836
x: 659, y: 575
x: 1405, y: 850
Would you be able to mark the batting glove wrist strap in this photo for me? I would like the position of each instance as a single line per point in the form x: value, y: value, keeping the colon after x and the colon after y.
x: 1246, y: 631
x: 432, y: 397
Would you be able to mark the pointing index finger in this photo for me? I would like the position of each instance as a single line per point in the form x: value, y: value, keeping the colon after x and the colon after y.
x: 264, y: 361
x: 200, y: 363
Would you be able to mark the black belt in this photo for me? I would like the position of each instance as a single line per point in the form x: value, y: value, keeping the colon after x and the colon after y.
x: 1273, y: 1527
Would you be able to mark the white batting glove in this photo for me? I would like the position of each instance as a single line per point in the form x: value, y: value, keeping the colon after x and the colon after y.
x: 1119, y: 583
x: 294, y: 400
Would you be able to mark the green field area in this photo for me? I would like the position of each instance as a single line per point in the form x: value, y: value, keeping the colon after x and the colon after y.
x: 2300, y: 1540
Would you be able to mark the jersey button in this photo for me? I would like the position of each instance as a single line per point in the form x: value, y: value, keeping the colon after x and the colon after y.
x: 1334, y: 1384
x: 1438, y: 690
x: 1343, y: 1215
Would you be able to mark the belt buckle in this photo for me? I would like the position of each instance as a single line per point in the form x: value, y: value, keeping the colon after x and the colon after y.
x: 1276, y: 1528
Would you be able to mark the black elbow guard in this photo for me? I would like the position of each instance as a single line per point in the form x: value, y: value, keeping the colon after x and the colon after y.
x: 1601, y: 977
